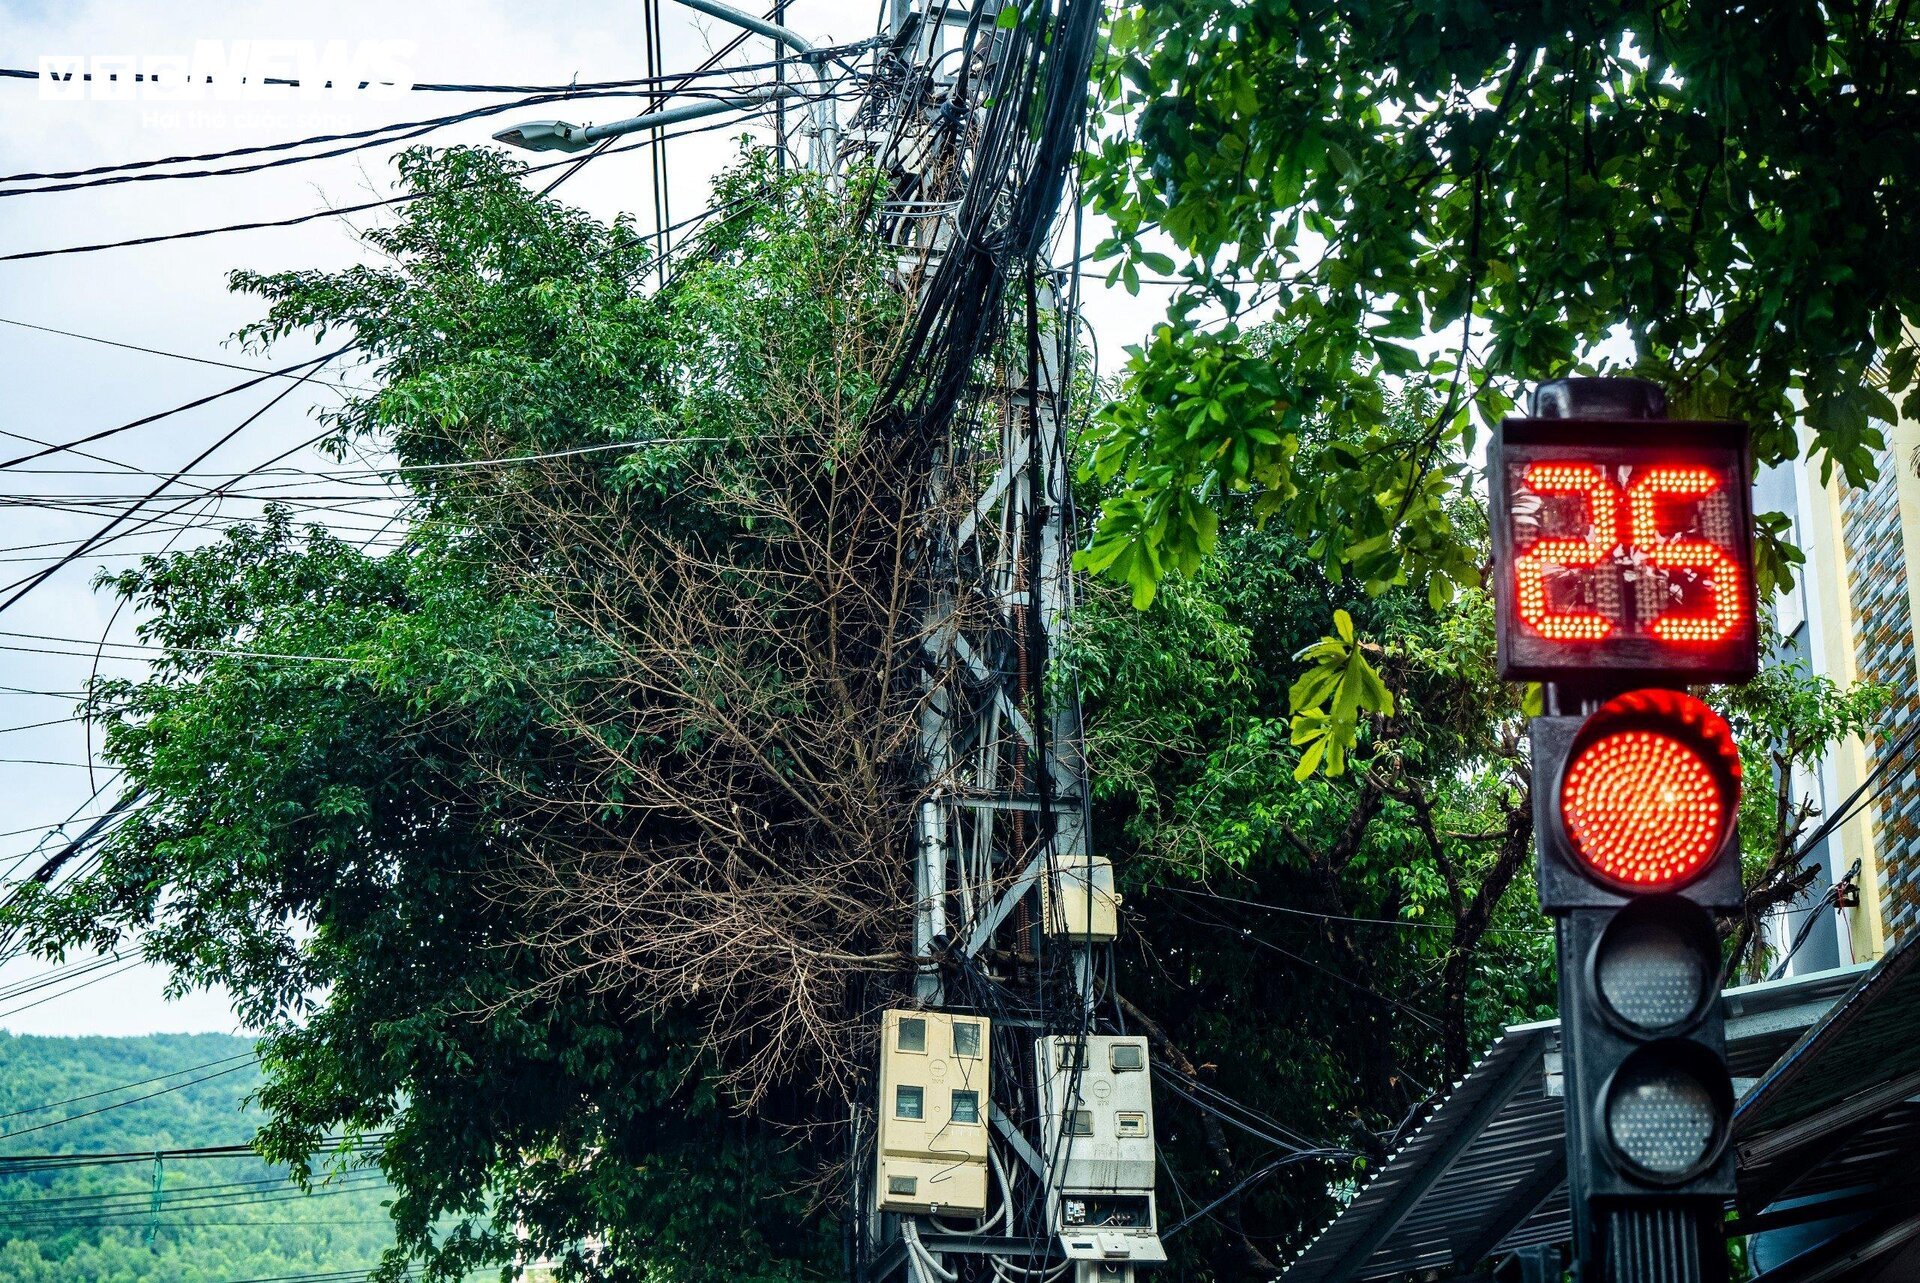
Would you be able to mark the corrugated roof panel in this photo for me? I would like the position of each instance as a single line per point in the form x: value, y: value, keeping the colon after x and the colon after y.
x: 1484, y: 1173
x: 1816, y: 1095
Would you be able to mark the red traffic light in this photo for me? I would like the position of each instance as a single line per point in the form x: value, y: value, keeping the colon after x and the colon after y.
x: 1651, y: 785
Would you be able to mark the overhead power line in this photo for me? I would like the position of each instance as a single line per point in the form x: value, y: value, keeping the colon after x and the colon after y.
x: 88, y: 983
x: 1406, y: 923
x: 236, y: 652
x: 144, y: 1082
x: 13, y: 1164
x: 23, y: 73
x: 122, y: 1104
x: 343, y: 210
x: 57, y: 975
x: 21, y: 588
x: 147, y: 171
x: 155, y: 351
x: 103, y: 1214
x: 364, y: 473
x: 295, y: 370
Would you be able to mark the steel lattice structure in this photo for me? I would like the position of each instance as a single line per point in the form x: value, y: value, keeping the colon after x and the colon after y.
x: 957, y: 122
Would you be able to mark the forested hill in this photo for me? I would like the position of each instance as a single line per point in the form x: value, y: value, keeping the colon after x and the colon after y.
x: 216, y: 1219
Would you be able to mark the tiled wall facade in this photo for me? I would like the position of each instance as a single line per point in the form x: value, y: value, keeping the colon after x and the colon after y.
x: 1883, y: 623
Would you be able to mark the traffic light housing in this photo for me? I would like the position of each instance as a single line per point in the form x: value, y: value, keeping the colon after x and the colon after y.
x: 1623, y: 562
x: 1637, y: 848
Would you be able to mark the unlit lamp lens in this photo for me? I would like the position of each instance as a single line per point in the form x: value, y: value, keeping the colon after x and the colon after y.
x: 1661, y: 1117
x: 1652, y: 972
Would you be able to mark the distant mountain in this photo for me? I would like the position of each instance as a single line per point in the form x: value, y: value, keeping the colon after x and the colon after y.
x: 213, y: 1219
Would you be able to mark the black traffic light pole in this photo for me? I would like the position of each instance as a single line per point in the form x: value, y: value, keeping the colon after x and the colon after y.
x: 1661, y: 1222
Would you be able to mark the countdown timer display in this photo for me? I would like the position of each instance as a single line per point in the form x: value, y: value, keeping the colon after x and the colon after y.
x: 1623, y: 546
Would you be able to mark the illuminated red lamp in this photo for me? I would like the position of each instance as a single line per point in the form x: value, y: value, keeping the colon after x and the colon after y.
x: 1650, y: 790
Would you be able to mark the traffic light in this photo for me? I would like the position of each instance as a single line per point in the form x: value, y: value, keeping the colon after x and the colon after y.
x: 1623, y: 574
x: 1634, y: 821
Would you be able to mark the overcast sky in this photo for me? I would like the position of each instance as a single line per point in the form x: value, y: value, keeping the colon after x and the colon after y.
x: 172, y: 296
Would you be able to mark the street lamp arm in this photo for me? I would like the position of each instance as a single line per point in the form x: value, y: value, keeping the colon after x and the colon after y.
x: 690, y: 111
x: 741, y: 18
x: 558, y: 135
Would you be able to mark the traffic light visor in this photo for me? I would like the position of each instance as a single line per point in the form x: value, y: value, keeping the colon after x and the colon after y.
x: 1650, y: 788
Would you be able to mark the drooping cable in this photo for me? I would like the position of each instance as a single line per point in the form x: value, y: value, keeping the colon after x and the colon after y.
x: 340, y: 211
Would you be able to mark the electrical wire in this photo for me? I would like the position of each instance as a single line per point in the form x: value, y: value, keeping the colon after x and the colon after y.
x: 1248, y: 936
x: 360, y: 139
x: 383, y: 472
x: 1249, y: 1181
x: 340, y: 211
x: 230, y: 651
x: 88, y: 983
x: 58, y: 975
x: 1830, y: 898
x: 299, y: 371
x: 1192, y: 1090
x: 155, y: 351
x: 357, y: 1183
x: 122, y: 1104
x: 14, y: 1164
x: 1868, y: 791
x: 1344, y: 917
x: 20, y: 588
x: 54, y: 1202
x: 21, y: 73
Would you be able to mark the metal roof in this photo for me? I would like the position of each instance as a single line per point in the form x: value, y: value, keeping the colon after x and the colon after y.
x: 1484, y: 1173
x: 1838, y: 1107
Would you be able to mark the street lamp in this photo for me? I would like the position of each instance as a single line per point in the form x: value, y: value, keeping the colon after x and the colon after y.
x: 558, y: 135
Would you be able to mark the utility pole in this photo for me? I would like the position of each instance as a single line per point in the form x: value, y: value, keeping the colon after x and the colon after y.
x: 1013, y: 909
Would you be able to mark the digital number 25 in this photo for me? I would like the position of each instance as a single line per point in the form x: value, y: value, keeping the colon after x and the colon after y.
x: 1616, y: 517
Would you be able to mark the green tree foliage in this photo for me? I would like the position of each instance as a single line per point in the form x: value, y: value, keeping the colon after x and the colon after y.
x: 1459, y: 199
x: 100, y: 1224
x: 1332, y: 950
x: 371, y: 777
x: 1335, y: 949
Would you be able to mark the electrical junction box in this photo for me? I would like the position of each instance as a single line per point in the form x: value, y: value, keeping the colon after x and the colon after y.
x: 1096, y: 1122
x: 933, y: 1113
x: 1078, y: 900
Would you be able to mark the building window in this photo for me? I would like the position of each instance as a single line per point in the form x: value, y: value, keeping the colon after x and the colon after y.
x: 1080, y: 1123
x: 1128, y: 1056
x: 966, y: 1107
x: 966, y: 1038
x: 909, y: 1102
x: 913, y: 1034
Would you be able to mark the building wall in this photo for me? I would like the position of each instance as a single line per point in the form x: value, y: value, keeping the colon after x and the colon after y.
x: 1860, y: 595
x: 1878, y: 583
x: 1823, y: 946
